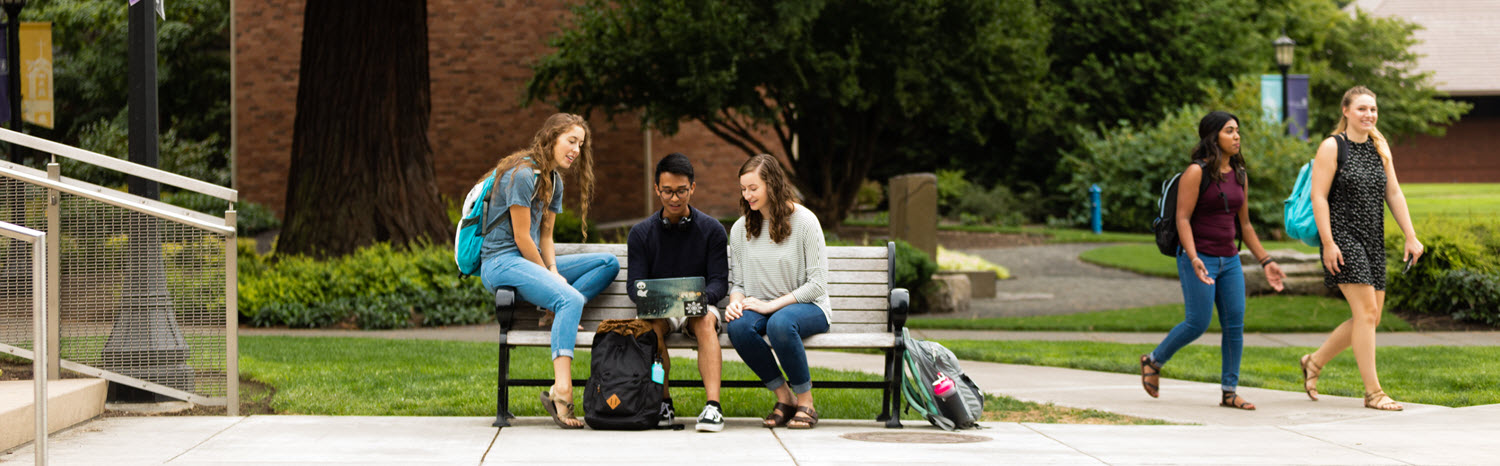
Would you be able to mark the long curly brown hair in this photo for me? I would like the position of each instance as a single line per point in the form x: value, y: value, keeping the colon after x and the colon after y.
x: 542, y: 158
x: 778, y: 198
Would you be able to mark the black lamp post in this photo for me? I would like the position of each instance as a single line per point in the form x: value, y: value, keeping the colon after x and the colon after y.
x: 13, y: 67
x: 1284, y: 47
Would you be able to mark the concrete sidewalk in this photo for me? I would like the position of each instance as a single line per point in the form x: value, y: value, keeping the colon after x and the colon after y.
x: 1489, y: 338
x: 1415, y: 439
x: 1286, y: 429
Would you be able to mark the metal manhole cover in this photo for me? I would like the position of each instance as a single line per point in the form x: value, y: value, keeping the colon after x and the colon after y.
x: 914, y: 437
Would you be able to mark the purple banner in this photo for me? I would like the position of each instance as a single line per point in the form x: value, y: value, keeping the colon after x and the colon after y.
x: 1296, y: 96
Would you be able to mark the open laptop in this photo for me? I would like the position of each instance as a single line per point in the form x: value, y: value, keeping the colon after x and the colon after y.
x: 661, y: 298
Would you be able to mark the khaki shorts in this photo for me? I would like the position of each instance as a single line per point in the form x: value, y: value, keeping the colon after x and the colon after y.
x: 680, y: 324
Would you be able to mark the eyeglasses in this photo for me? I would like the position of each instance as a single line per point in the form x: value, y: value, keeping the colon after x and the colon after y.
x: 678, y: 193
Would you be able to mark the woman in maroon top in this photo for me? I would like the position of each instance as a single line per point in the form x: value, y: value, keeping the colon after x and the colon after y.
x: 1208, y: 263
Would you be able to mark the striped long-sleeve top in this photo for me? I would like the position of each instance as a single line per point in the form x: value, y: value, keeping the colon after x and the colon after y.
x: 798, y: 265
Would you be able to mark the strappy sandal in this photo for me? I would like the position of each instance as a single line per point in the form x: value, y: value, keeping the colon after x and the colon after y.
x: 779, y: 415
x: 805, y: 415
x: 551, y: 407
x: 1233, y: 400
x: 1310, y: 372
x: 1150, y: 375
x: 1379, y: 400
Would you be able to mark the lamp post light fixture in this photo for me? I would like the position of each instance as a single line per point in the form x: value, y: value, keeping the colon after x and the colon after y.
x: 1284, y: 47
x: 13, y: 67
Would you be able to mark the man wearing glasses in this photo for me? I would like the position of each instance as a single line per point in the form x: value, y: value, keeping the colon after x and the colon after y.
x: 680, y: 241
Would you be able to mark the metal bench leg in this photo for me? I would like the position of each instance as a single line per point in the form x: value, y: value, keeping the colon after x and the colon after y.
x: 892, y: 398
x: 885, y: 392
x: 502, y: 391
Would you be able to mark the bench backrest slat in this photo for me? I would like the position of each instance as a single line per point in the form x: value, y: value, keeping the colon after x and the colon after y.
x: 857, y: 279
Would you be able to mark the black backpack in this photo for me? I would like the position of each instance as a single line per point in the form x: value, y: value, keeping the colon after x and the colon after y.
x: 1165, y: 224
x: 620, y: 394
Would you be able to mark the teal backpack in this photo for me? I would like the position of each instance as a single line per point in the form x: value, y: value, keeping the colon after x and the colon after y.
x: 472, y: 227
x: 1297, y: 209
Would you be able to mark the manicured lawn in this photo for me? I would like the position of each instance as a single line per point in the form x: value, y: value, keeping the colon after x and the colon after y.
x: 1448, y: 376
x: 379, y: 377
x: 1145, y: 259
x: 1262, y: 314
x: 1456, y: 200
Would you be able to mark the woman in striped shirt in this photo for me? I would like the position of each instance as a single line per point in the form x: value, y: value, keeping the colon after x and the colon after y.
x: 779, y: 273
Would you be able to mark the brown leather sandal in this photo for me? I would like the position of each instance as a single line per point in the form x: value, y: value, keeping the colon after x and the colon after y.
x: 1150, y: 375
x: 1233, y: 400
x: 779, y: 415
x: 805, y: 415
x: 1379, y: 400
x: 1310, y: 372
x: 561, y: 418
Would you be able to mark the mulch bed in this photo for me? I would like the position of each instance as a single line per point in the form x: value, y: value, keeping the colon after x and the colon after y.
x: 1440, y: 322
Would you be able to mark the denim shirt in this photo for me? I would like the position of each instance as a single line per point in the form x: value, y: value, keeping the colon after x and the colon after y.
x: 520, y: 191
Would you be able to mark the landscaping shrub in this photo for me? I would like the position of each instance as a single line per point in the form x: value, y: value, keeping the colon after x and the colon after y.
x: 972, y: 204
x: 250, y: 218
x: 566, y: 229
x: 376, y: 287
x: 1129, y: 163
x: 1458, y: 274
x: 914, y: 270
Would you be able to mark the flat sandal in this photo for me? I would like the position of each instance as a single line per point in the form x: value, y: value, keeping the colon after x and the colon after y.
x: 1310, y: 373
x: 1379, y: 400
x: 779, y: 416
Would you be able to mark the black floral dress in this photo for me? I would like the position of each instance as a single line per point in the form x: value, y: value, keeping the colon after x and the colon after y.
x: 1356, y: 209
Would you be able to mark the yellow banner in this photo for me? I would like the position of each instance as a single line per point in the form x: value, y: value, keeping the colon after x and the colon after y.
x: 36, y: 73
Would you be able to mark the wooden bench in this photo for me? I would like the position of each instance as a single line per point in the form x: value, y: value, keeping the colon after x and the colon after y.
x: 867, y: 313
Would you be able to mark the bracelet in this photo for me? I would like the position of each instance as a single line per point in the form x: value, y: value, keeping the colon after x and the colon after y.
x: 1267, y: 260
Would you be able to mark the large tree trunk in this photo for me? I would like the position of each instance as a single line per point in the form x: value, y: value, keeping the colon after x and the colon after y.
x: 361, y: 168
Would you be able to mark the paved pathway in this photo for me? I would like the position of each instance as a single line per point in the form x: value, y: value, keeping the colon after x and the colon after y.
x: 1051, y: 280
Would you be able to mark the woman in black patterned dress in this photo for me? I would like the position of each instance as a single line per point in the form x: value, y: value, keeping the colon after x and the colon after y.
x: 1348, y: 202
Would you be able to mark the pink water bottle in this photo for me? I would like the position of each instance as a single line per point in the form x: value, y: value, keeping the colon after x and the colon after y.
x: 943, y: 386
x: 949, y: 403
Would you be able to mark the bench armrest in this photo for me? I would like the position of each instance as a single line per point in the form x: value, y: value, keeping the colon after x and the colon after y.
x: 900, y: 303
x: 505, y: 307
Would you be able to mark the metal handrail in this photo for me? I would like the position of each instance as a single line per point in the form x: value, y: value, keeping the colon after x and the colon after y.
x: 122, y: 166
x: 117, y: 198
x: 38, y: 241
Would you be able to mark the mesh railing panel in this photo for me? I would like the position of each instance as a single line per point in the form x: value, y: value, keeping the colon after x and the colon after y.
x: 141, y: 296
x: 20, y: 204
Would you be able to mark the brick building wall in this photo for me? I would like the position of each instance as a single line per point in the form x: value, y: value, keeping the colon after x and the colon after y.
x: 480, y: 55
x: 1467, y: 153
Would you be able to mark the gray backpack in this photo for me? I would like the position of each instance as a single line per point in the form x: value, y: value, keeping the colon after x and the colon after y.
x: 924, y: 360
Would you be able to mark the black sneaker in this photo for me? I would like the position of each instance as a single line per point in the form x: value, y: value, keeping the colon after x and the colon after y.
x: 666, y: 416
x: 710, y: 420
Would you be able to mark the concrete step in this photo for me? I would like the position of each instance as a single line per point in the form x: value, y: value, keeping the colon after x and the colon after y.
x: 69, y: 402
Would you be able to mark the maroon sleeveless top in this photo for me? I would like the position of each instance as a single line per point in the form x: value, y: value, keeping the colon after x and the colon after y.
x: 1214, y: 216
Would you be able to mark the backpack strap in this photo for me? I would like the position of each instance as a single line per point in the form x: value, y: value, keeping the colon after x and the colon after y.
x: 494, y: 197
x: 1343, y: 142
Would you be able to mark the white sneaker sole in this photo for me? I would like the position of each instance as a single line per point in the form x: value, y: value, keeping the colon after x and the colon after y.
x: 702, y: 427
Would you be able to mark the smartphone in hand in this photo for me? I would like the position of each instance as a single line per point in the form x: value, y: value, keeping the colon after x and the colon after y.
x: 1407, y: 268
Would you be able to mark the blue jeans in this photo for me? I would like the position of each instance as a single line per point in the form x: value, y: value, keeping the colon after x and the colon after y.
x: 785, y: 328
x: 1228, y: 293
x: 587, y: 274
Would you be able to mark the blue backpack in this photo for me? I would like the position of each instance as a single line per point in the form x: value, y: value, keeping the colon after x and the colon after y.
x: 1297, y: 209
x: 472, y: 227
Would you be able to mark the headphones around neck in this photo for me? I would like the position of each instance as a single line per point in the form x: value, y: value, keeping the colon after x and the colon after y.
x: 666, y: 223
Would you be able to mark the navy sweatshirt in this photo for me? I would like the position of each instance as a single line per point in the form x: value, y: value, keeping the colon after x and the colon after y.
x: 697, y: 249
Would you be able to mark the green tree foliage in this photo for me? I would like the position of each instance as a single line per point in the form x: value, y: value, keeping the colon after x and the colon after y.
x: 834, y: 85
x: 90, y: 67
x: 1338, y: 51
x: 1117, y: 62
x: 1129, y: 163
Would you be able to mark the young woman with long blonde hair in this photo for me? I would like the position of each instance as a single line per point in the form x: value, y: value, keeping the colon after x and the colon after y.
x: 1348, y: 199
x: 518, y: 249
